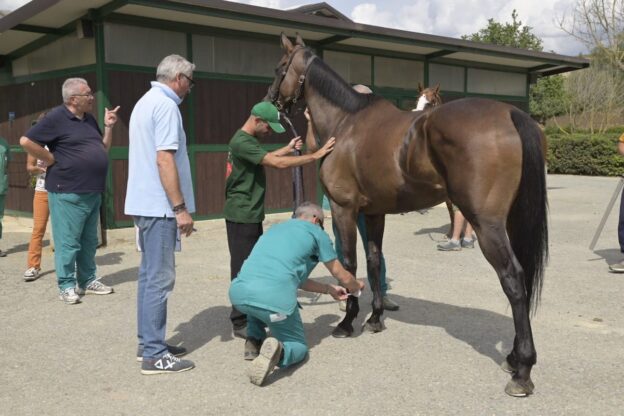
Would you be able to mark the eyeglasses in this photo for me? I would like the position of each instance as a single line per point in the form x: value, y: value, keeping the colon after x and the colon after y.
x: 90, y: 94
x: 190, y: 80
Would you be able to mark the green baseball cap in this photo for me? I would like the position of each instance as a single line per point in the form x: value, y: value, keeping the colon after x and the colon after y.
x: 268, y: 112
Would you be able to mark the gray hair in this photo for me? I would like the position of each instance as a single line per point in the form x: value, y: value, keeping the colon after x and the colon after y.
x: 70, y: 87
x: 171, y: 66
x: 309, y: 209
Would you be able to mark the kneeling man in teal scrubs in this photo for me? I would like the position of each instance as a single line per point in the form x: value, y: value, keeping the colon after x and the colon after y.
x: 266, y: 289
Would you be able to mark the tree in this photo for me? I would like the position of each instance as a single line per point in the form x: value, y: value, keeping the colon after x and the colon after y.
x: 507, y: 34
x: 599, y: 25
x: 546, y: 97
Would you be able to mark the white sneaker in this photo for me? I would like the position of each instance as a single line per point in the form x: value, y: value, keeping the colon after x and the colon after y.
x: 31, y: 274
x: 95, y: 288
x: 69, y: 296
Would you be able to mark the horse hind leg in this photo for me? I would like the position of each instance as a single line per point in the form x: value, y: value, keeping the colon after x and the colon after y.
x: 497, y: 249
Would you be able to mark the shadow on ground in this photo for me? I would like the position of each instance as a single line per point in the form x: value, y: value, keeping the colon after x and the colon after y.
x: 486, y: 332
x: 109, y: 259
x: 610, y: 256
x: 122, y: 276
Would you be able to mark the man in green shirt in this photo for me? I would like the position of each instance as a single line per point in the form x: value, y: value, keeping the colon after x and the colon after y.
x: 5, y: 156
x: 245, y: 186
x: 266, y: 289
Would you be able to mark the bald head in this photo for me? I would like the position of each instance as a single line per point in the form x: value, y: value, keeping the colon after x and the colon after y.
x: 362, y: 89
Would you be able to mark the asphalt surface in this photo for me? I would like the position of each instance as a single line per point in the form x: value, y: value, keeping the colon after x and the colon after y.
x: 439, y: 355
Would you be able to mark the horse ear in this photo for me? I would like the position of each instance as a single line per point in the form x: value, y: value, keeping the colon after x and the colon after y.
x: 437, y: 88
x: 286, y: 43
x: 420, y: 88
x: 299, y: 40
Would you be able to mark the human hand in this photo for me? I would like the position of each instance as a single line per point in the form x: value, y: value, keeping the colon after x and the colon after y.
x: 296, y: 143
x: 355, y: 286
x: 306, y: 113
x: 327, y: 147
x: 110, y: 117
x: 185, y: 222
x: 337, y: 292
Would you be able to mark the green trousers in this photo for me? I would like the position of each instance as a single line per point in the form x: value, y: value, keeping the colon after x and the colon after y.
x: 1, y: 213
x: 74, y: 228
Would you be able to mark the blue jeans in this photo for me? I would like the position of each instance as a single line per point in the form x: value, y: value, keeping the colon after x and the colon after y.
x: 289, y: 332
x: 74, y: 228
x: 157, y: 238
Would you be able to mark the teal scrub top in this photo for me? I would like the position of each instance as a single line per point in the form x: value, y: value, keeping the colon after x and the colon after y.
x: 279, y: 263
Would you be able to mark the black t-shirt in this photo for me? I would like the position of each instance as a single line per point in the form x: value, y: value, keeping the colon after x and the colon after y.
x: 81, y: 159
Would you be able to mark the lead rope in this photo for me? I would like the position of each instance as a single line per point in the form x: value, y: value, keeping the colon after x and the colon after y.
x: 297, y: 171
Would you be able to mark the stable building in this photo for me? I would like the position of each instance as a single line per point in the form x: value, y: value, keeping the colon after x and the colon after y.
x: 117, y: 44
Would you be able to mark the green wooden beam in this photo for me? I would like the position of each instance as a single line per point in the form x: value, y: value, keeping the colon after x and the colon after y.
x: 439, y: 54
x: 38, y: 29
x: 331, y: 39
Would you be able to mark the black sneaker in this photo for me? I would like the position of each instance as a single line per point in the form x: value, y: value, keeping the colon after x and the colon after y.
x: 252, y: 349
x: 172, y: 349
x: 269, y: 357
x: 166, y: 364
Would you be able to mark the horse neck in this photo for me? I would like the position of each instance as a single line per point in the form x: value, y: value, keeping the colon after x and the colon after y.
x: 326, y: 115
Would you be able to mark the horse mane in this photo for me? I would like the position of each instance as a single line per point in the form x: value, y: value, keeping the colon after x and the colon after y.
x: 336, y: 90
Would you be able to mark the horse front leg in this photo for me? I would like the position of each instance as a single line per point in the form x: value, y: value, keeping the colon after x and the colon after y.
x: 374, y: 233
x: 497, y: 250
x: 343, y: 222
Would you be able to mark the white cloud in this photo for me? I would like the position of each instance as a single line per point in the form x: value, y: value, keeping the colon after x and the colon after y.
x: 10, y: 5
x: 368, y: 13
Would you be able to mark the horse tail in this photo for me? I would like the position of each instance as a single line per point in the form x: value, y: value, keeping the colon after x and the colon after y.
x: 527, y: 223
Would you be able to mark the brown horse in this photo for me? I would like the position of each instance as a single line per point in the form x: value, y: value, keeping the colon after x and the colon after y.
x: 485, y: 156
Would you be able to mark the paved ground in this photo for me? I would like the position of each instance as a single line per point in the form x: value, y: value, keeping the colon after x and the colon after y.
x: 439, y: 354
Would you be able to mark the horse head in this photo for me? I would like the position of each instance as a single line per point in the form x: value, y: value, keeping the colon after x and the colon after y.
x: 428, y: 97
x: 290, y: 73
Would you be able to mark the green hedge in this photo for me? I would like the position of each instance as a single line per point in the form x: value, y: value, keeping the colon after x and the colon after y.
x: 583, y: 154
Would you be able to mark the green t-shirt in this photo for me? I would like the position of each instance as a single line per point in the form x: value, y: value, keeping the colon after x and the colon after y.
x: 5, y: 156
x: 245, y: 187
x: 279, y: 263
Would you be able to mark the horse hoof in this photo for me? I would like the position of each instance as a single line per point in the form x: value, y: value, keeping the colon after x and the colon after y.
x: 373, y: 327
x: 508, y: 368
x: 340, y: 332
x: 519, y: 388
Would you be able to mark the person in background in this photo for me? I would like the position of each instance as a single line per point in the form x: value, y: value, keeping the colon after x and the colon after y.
x: 266, y: 289
x: 246, y: 184
x: 456, y: 242
x: 37, y: 170
x: 160, y: 198
x: 77, y: 165
x: 619, y: 267
x: 5, y: 156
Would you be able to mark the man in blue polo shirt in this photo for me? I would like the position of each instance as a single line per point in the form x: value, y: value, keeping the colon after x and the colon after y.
x: 77, y: 164
x: 160, y: 198
x: 266, y: 289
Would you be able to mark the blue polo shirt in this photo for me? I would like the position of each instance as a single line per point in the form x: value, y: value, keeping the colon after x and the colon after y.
x: 81, y: 159
x: 279, y: 263
x: 155, y: 125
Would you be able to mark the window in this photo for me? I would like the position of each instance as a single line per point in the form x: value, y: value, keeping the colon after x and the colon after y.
x: 398, y: 73
x: 450, y: 78
x: 353, y: 68
x: 66, y: 52
x: 235, y: 56
x: 132, y: 45
x: 483, y: 81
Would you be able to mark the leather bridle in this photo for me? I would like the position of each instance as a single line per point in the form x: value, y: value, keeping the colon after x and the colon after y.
x: 274, y: 92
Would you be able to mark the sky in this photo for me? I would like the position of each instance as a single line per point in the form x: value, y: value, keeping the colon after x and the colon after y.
x: 451, y: 18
